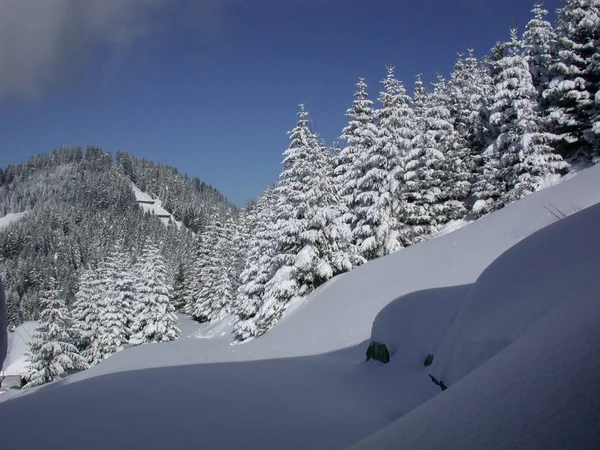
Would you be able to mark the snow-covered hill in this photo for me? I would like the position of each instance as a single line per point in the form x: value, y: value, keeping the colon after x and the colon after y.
x: 305, y: 383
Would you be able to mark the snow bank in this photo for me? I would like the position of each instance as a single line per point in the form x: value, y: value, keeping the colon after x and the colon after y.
x: 11, y: 217
x: 518, y: 289
x: 540, y: 388
x: 414, y: 326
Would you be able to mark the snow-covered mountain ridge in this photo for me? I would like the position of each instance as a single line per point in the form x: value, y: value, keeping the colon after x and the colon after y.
x: 305, y: 384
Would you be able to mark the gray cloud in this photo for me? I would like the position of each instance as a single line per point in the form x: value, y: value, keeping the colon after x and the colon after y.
x: 43, y: 42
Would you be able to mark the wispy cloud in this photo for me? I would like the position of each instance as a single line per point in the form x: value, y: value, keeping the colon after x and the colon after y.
x: 42, y: 42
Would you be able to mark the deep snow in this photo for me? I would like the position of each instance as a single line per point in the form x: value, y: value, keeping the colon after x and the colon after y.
x: 305, y: 383
x: 525, y: 350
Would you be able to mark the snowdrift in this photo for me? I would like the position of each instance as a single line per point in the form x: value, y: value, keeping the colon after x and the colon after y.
x: 524, y: 352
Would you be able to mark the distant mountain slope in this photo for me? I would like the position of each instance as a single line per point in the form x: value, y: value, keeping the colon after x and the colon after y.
x: 79, y: 204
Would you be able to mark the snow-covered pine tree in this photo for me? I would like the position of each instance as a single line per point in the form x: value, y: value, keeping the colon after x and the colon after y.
x: 360, y: 135
x: 312, y: 239
x: 86, y: 308
x: 470, y: 94
x: 422, y: 194
x: 376, y: 191
x: 198, y: 273
x: 539, y: 40
x: 104, y: 306
x: 412, y: 210
x: 241, y: 227
x: 525, y: 153
x: 154, y: 316
x: 572, y: 94
x: 215, y: 296
x: 258, y: 265
x: 456, y: 166
x: 52, y: 351
x: 179, y: 287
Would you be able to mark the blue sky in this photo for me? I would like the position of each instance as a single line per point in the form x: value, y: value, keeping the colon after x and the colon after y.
x: 212, y: 86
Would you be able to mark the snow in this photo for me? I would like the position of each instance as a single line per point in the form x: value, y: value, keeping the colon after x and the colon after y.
x: 10, y: 218
x: 538, y: 386
x: 154, y: 208
x: 305, y: 384
x: 18, y: 342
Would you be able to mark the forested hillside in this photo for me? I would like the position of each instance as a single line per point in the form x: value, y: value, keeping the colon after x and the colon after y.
x: 79, y: 205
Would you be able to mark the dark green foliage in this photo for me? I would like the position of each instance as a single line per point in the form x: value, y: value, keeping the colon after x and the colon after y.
x: 428, y: 360
x: 378, y: 352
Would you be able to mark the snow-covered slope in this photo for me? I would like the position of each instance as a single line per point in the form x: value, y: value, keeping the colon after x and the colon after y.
x: 10, y: 218
x: 528, y: 341
x: 304, y: 385
x: 18, y: 342
x: 153, y: 206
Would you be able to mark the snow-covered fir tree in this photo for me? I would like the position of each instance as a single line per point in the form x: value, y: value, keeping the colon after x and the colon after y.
x: 376, y: 198
x: 180, y: 282
x: 572, y: 94
x: 258, y: 266
x: 312, y: 239
x: 525, y: 151
x: 86, y: 308
x: 360, y: 136
x: 154, y: 315
x: 52, y: 351
x: 539, y: 40
x: 198, y: 274
x: 422, y: 194
x: 470, y: 97
x: 214, y: 298
x: 456, y: 166
x: 103, y: 309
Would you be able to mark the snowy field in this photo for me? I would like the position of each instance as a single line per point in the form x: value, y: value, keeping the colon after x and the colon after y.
x: 510, y: 314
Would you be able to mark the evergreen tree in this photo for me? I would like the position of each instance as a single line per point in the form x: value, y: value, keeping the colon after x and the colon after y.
x: 312, y: 240
x: 180, y: 287
x: 154, y: 317
x: 52, y: 351
x: 104, y: 307
x: 360, y: 135
x: 215, y: 296
x: 538, y: 47
x: 376, y: 200
x: 572, y: 94
x: 525, y: 151
x: 86, y: 308
x: 423, y: 194
x: 258, y: 266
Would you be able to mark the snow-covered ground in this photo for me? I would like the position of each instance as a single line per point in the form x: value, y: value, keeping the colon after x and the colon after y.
x: 10, y: 218
x: 18, y: 342
x: 155, y: 207
x: 527, y: 381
